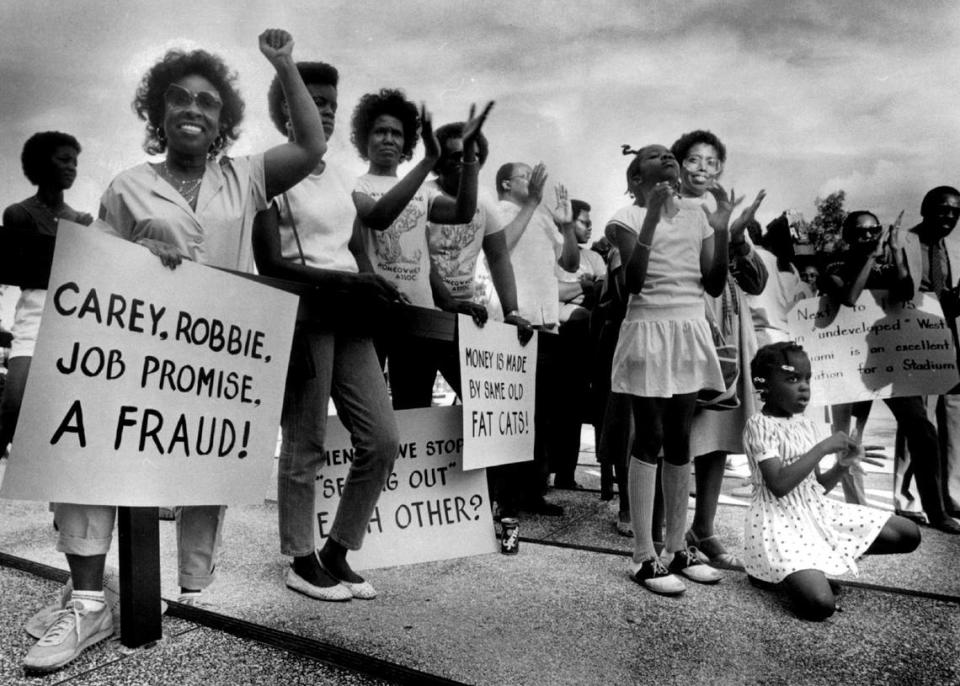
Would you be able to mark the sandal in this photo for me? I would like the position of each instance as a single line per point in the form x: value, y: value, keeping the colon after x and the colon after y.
x: 713, y: 551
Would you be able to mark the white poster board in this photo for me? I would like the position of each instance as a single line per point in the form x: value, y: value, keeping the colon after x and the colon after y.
x: 430, y: 508
x: 499, y: 391
x: 875, y: 349
x: 149, y: 386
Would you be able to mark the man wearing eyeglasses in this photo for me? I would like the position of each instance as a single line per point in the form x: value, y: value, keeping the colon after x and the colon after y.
x: 538, y: 240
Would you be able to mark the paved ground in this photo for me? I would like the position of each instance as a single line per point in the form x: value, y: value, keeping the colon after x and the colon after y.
x: 561, y: 612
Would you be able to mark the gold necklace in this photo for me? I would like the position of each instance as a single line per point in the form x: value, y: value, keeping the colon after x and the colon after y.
x: 189, y: 189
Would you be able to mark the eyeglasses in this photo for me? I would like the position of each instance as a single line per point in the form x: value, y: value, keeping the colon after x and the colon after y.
x: 525, y: 177
x: 693, y: 162
x: 180, y: 97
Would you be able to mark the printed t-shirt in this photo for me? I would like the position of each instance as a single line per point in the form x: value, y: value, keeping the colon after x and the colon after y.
x: 399, y: 253
x: 454, y: 248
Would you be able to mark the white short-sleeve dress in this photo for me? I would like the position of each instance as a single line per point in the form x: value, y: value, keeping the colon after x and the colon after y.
x: 803, y: 529
x: 665, y: 346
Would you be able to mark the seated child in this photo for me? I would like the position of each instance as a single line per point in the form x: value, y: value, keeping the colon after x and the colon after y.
x: 794, y: 535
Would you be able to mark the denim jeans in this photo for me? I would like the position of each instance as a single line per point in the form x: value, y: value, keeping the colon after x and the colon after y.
x: 344, y: 367
x: 87, y: 530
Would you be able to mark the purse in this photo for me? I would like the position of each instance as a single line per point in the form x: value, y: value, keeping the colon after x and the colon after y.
x: 728, y: 352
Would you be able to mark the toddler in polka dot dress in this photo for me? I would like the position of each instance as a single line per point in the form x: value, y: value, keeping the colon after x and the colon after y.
x: 794, y: 535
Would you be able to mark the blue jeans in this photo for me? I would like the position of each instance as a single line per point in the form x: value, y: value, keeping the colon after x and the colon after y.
x: 344, y: 367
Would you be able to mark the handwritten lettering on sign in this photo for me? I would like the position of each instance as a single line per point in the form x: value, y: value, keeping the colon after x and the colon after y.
x: 498, y: 382
x: 429, y: 509
x: 875, y: 349
x: 150, y: 386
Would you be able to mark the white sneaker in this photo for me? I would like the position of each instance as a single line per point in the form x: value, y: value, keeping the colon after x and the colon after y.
x: 74, y: 630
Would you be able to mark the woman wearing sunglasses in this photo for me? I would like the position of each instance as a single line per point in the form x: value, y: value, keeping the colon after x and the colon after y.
x: 194, y: 204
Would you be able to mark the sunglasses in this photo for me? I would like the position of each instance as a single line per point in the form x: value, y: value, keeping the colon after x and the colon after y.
x: 180, y: 97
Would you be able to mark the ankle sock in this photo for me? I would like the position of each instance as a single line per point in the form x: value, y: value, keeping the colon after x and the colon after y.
x: 92, y: 601
x: 642, y: 483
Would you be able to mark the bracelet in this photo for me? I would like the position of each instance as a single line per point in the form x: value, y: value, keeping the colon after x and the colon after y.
x: 643, y: 245
x: 470, y: 163
x: 512, y: 313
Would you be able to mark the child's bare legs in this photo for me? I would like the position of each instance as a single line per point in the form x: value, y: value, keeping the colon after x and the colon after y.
x: 899, y: 535
x: 811, y: 594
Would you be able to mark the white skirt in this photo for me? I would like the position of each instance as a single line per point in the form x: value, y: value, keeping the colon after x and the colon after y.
x: 663, y: 352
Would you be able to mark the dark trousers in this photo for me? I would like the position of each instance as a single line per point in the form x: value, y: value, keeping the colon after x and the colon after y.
x: 924, y: 445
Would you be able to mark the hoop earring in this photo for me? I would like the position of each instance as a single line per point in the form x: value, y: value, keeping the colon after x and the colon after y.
x: 216, y: 146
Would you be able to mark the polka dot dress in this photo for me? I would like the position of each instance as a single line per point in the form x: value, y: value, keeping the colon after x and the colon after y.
x: 803, y: 529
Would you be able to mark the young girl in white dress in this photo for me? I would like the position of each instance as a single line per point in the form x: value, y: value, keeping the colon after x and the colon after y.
x: 794, y: 535
x: 665, y: 354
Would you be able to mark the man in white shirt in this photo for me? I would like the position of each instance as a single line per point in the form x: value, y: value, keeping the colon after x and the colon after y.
x: 538, y: 241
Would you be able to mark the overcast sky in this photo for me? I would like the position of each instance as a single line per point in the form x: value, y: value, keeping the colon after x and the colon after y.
x: 808, y: 96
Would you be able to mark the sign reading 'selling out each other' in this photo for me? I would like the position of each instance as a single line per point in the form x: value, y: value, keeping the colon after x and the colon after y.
x: 149, y: 386
x: 498, y: 388
x: 875, y: 349
x: 429, y: 509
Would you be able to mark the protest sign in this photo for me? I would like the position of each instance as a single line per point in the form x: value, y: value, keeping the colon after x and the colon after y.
x: 498, y: 388
x: 875, y: 349
x: 149, y: 386
x: 430, y: 509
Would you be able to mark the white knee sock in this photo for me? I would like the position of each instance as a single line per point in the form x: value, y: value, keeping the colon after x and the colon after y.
x: 642, y: 485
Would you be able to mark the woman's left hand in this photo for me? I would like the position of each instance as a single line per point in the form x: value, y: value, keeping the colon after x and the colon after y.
x: 276, y: 44
x: 721, y: 217
x: 739, y: 225
x: 431, y: 146
x: 894, y: 237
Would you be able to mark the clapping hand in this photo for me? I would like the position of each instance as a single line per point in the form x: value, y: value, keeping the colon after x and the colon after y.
x: 276, y: 44
x: 720, y: 218
x: 538, y: 179
x: 474, y: 123
x: 739, y: 225
x: 894, y: 235
x: 431, y: 146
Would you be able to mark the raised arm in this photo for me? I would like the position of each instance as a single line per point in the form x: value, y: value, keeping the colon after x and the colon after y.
x: 461, y: 209
x: 379, y: 214
x: 635, y: 248
x: 288, y: 163
x: 569, y: 258
x: 515, y: 228
x: 714, y: 255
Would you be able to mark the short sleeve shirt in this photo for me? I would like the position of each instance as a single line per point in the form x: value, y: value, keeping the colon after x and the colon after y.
x: 454, y: 248
x: 399, y: 253
x: 139, y: 203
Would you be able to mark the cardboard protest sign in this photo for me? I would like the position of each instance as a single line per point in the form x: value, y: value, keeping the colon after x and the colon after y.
x: 875, y: 349
x: 150, y: 386
x: 498, y: 387
x: 430, y: 509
